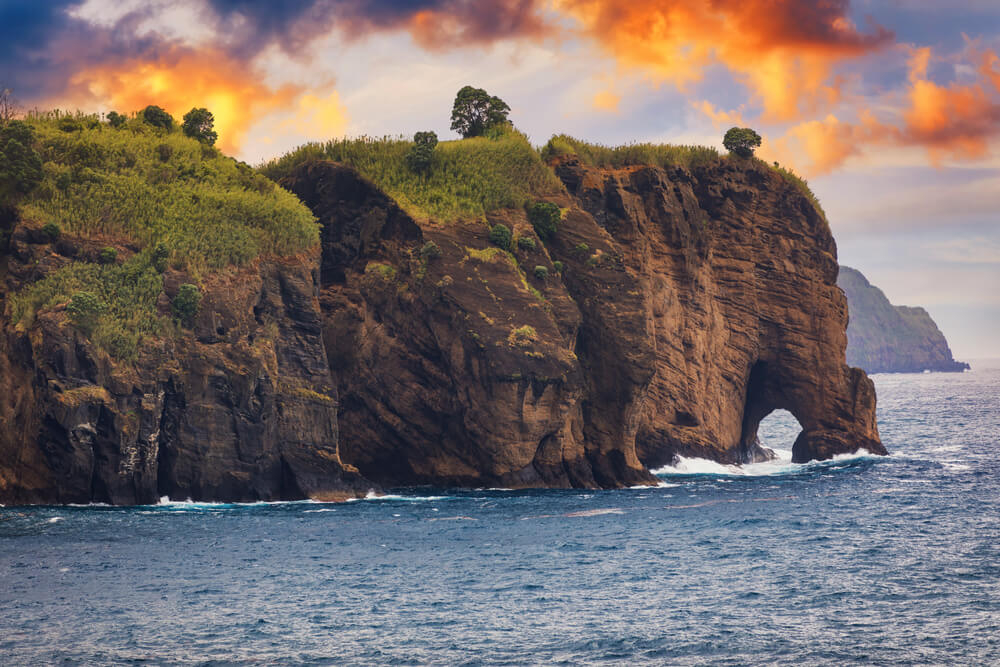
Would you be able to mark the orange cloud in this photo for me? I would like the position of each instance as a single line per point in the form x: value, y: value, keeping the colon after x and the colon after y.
x: 719, y: 117
x: 607, y: 101
x: 954, y: 120
x: 783, y: 50
x: 183, y: 79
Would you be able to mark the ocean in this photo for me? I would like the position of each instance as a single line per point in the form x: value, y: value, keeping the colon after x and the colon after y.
x: 860, y: 560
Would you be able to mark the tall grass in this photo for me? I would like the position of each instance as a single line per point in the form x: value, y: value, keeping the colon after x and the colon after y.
x: 467, y: 178
x: 660, y: 155
x: 148, y: 185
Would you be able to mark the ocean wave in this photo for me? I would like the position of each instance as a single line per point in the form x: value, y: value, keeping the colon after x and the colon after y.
x: 393, y: 497
x: 782, y: 465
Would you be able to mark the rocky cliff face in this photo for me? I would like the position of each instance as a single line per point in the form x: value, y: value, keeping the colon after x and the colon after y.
x: 240, y: 408
x: 689, y: 305
x: 883, y: 338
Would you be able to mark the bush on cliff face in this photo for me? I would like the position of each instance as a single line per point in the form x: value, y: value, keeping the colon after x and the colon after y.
x: 500, y: 236
x: 186, y: 304
x: 422, y: 153
x: 470, y: 178
x: 83, y: 310
x: 545, y: 218
x: 20, y: 163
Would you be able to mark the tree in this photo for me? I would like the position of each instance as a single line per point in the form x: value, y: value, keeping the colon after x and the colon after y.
x: 741, y: 141
x: 420, y: 155
x: 199, y: 124
x: 157, y: 117
x: 475, y: 111
x: 9, y: 107
x: 116, y: 119
x: 20, y: 163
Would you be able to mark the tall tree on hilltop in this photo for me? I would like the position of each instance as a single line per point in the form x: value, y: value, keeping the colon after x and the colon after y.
x: 199, y: 124
x: 476, y: 111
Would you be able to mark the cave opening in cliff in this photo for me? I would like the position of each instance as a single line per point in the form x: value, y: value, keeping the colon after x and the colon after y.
x: 768, y: 419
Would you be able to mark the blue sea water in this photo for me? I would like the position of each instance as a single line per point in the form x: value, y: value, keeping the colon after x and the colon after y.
x: 860, y: 560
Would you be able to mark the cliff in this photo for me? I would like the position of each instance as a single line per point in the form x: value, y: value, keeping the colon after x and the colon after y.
x: 883, y: 338
x: 675, y: 307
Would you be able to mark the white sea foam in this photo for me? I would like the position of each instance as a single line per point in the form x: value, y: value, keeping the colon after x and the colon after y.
x: 392, y: 497
x: 782, y: 465
x: 55, y: 519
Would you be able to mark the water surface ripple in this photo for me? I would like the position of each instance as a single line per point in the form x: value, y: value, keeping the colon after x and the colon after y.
x: 859, y: 560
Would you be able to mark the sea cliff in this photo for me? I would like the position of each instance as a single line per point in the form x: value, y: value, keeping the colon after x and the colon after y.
x: 676, y: 303
x: 883, y: 338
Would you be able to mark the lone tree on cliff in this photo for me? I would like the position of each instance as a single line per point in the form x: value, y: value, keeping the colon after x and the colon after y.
x: 199, y: 124
x: 476, y: 111
x: 741, y: 141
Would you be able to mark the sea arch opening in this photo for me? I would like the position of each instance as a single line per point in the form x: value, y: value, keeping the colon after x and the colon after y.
x: 770, y: 421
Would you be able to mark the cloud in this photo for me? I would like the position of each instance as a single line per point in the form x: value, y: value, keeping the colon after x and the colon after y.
x: 607, y: 101
x: 784, y: 51
x: 180, y: 79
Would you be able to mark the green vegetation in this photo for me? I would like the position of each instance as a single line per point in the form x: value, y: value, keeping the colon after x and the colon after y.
x: 157, y: 117
x: 475, y: 112
x: 125, y: 293
x: 386, y: 272
x: 545, y: 218
x: 116, y: 119
x: 581, y: 248
x: 149, y: 185
x: 467, y: 178
x: 801, y: 185
x: 199, y: 124
x: 108, y: 255
x: 421, y: 155
x: 500, y: 236
x: 84, y: 310
x: 526, y: 243
x: 541, y: 272
x: 51, y: 230
x: 558, y: 266
x: 741, y: 141
x: 186, y: 304
x: 430, y: 250
x: 522, y: 336
x: 660, y: 155
x: 20, y: 163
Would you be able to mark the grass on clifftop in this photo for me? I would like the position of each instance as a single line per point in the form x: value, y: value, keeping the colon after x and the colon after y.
x: 659, y: 155
x: 467, y: 178
x: 662, y: 155
x: 149, y: 185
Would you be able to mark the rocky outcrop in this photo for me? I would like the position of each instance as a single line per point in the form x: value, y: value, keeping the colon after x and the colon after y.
x: 690, y: 306
x: 883, y: 338
x: 240, y: 408
x: 671, y: 312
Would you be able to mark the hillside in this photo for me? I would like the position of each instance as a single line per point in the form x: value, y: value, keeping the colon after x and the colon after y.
x: 883, y: 338
x: 175, y: 323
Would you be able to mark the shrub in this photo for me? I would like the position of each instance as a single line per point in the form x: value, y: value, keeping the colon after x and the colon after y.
x: 164, y: 152
x: 476, y: 111
x: 157, y: 117
x: 51, y: 230
x: 500, y: 236
x: 544, y: 217
x: 107, y: 255
x: 660, y: 155
x: 185, y: 305
x: 558, y: 266
x: 430, y: 250
x: 581, y: 248
x: 70, y: 124
x: 20, y: 164
x: 522, y: 336
x: 541, y: 272
x: 741, y: 141
x: 116, y: 120
x: 420, y: 156
x: 526, y: 243
x: 84, y: 311
x: 198, y: 124
x: 159, y: 257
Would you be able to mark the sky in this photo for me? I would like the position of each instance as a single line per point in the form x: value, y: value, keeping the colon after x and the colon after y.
x: 890, y: 108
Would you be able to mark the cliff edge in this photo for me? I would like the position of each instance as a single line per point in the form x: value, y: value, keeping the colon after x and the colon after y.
x: 883, y: 338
